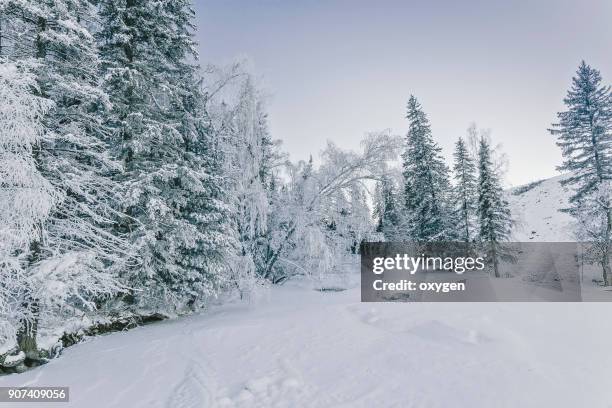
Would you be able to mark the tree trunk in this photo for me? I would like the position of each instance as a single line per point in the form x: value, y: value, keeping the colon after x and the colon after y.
x: 495, y: 260
x: 605, y: 256
x: 26, y: 336
x: 41, y: 49
x: 607, y: 274
x: 0, y: 36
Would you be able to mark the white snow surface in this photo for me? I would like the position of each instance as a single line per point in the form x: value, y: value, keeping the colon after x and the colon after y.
x: 305, y: 348
x: 537, y: 212
x: 10, y: 361
x: 298, y: 347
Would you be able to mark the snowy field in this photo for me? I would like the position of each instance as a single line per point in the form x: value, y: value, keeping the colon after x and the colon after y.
x: 297, y: 347
x: 303, y: 348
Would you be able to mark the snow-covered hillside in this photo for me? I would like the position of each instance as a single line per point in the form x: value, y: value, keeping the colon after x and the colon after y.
x: 536, y: 206
x: 298, y: 347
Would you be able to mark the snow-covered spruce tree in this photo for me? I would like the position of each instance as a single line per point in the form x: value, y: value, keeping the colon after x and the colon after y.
x: 71, y: 269
x: 207, y: 244
x: 584, y: 133
x: 387, y: 209
x: 464, y: 194
x: 175, y: 198
x: 495, y: 222
x: 426, y: 185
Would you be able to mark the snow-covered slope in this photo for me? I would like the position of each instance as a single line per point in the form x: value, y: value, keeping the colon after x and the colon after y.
x: 536, y: 208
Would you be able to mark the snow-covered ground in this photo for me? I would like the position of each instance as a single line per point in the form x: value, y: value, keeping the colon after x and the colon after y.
x: 297, y: 347
x: 304, y: 348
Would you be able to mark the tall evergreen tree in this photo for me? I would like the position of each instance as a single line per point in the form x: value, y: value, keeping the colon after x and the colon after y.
x: 464, y: 193
x: 493, y: 210
x: 425, y: 180
x: 75, y: 245
x: 584, y: 133
x: 175, y: 198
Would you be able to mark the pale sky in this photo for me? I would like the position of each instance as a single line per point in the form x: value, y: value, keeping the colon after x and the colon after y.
x: 338, y: 69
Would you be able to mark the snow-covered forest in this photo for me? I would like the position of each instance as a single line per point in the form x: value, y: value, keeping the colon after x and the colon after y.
x: 140, y: 185
x: 139, y: 182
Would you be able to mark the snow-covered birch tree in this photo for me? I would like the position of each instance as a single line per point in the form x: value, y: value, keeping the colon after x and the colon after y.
x: 252, y: 159
x: 315, y: 200
x: 26, y: 197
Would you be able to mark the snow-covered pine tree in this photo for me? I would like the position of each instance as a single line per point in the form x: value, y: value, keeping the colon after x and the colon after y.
x: 175, y: 199
x: 71, y: 268
x: 584, y: 134
x: 426, y: 185
x: 205, y: 247
x: 464, y: 194
x: 495, y: 222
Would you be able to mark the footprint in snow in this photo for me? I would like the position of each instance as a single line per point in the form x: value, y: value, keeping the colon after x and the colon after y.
x: 192, y: 391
